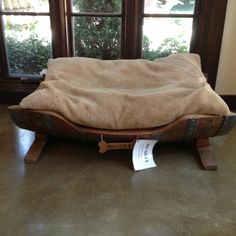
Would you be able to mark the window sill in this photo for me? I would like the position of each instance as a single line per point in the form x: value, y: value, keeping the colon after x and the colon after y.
x: 12, y: 92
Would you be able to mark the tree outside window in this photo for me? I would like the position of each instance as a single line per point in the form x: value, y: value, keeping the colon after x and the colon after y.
x: 97, y: 36
x: 27, y: 35
x: 97, y: 30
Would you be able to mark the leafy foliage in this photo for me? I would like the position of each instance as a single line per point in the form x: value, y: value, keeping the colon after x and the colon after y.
x: 182, y: 2
x: 181, y: 6
x: 161, y: 2
x: 97, y: 37
x: 28, y: 56
x: 97, y: 6
x: 167, y: 47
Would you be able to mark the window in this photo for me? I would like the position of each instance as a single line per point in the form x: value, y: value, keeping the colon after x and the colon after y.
x: 107, y: 29
x: 27, y: 36
x: 158, y: 16
x: 96, y: 28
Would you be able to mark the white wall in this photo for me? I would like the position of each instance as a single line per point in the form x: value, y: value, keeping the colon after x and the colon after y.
x: 226, y: 78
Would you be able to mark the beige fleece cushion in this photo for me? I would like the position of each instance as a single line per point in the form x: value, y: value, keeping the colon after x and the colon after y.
x: 126, y: 94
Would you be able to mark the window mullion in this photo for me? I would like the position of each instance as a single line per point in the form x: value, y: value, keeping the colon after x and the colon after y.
x: 3, y: 63
x: 133, y: 28
x: 69, y: 24
x: 58, y: 26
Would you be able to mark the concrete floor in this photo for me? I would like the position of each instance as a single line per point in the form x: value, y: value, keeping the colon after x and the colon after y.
x: 74, y: 190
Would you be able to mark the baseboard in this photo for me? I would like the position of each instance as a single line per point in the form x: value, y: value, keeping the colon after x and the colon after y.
x: 230, y: 100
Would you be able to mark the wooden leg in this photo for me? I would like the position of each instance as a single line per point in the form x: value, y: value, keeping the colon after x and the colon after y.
x: 206, y: 155
x: 36, y: 148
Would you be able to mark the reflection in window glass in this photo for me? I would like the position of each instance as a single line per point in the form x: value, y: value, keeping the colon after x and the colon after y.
x: 97, y: 5
x: 169, y: 6
x: 97, y: 37
x: 25, y: 5
x: 28, y: 43
x: 160, y: 42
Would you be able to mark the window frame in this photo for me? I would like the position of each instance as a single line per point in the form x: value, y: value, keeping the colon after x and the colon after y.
x: 4, y: 64
x: 208, y: 24
x: 71, y: 14
x: 207, y: 35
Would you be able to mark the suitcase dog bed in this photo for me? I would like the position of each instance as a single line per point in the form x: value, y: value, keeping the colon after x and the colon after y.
x: 117, y: 102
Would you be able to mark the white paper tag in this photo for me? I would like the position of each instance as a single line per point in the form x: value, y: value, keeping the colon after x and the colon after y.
x: 142, y: 154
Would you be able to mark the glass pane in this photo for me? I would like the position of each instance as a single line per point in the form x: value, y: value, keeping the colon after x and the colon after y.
x: 97, y: 37
x: 28, y: 43
x: 25, y: 5
x: 164, y: 36
x: 169, y: 6
x: 97, y: 5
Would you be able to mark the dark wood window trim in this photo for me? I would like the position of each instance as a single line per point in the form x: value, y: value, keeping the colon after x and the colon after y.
x: 59, y: 28
x: 208, y: 27
x: 3, y: 63
x: 132, y: 38
x: 207, y: 35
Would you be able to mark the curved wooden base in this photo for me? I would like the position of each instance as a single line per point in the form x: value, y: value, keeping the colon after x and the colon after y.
x: 184, y: 128
x: 189, y: 127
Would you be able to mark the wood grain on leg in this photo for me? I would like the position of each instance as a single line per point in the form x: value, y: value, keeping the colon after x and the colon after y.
x: 206, y: 155
x: 36, y: 148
